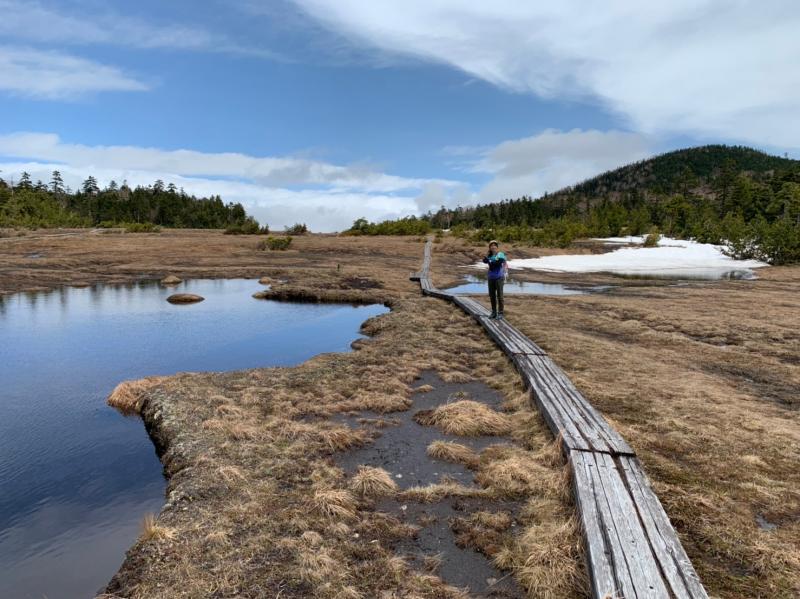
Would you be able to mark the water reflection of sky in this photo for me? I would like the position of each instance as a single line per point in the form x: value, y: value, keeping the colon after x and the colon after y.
x: 76, y: 476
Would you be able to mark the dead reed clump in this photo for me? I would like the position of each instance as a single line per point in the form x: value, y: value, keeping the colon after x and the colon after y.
x: 546, y: 558
x: 483, y: 531
x: 456, y: 376
x: 438, y: 491
x: 342, y: 438
x: 152, y: 531
x: 369, y: 481
x: 380, y: 402
x: 465, y: 418
x: 316, y: 565
x: 514, y: 472
x: 336, y: 504
x: 453, y: 452
x: 128, y: 396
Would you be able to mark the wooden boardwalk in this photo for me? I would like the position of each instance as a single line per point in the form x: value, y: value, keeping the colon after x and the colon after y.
x: 632, y: 550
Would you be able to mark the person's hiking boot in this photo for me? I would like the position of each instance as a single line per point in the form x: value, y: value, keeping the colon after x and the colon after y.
x: 499, y: 316
x: 493, y: 315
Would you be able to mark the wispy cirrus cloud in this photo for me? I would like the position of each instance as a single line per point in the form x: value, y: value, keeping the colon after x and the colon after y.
x: 33, y: 22
x: 702, y: 67
x: 45, y: 74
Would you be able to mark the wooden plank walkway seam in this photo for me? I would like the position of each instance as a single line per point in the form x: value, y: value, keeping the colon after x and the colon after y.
x: 632, y: 550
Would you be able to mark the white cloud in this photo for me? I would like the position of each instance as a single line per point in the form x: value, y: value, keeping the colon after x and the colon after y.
x: 52, y: 75
x: 276, y: 190
x: 552, y: 160
x: 709, y: 67
x: 263, y: 170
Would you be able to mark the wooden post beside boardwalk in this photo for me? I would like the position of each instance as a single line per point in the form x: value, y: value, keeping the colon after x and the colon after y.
x: 632, y: 550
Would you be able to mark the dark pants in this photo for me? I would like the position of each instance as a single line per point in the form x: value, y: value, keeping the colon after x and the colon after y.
x: 496, y: 294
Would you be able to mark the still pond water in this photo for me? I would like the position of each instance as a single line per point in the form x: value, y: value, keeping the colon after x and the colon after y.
x: 477, y: 284
x: 76, y: 477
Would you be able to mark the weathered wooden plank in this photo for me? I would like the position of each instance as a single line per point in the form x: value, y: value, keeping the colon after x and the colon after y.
x: 432, y: 291
x: 585, y: 437
x: 509, y: 338
x: 585, y: 412
x: 622, y: 575
x: 557, y: 419
x: 641, y: 563
x: 551, y: 387
x: 594, y: 424
x: 675, y: 564
x: 598, y: 554
x: 470, y: 306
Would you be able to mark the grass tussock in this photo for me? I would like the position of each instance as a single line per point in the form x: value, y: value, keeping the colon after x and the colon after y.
x: 369, y: 481
x: 546, y: 560
x: 336, y: 504
x: 152, y: 531
x: 514, y: 472
x: 453, y: 452
x: 465, y: 418
x: 128, y: 396
x: 438, y: 491
x: 342, y: 438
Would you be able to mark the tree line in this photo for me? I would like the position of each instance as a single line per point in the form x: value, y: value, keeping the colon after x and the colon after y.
x: 29, y: 204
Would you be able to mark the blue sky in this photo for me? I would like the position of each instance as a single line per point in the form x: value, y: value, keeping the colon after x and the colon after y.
x: 322, y: 111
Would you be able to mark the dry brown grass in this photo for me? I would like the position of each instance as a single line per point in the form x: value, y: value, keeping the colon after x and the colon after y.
x: 331, y: 264
x: 438, y: 491
x: 453, y: 452
x: 152, y: 531
x: 546, y: 560
x: 335, y: 504
x: 369, y: 481
x: 128, y: 395
x: 466, y: 418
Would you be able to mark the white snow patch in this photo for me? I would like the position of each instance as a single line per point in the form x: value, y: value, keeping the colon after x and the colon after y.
x: 673, y: 258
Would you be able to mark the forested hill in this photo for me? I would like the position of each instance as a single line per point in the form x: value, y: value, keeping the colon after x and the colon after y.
x: 733, y: 179
x: 28, y: 204
x: 675, y: 172
x: 715, y: 194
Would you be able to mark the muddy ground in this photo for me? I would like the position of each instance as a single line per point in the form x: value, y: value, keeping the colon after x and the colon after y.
x: 702, y: 379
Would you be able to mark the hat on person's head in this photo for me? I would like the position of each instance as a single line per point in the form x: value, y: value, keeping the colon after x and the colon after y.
x: 494, y: 242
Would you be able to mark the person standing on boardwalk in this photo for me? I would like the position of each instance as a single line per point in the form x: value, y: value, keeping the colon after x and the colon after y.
x: 497, y: 273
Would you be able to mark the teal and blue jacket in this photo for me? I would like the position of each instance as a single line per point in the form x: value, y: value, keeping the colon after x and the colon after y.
x: 495, y: 263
